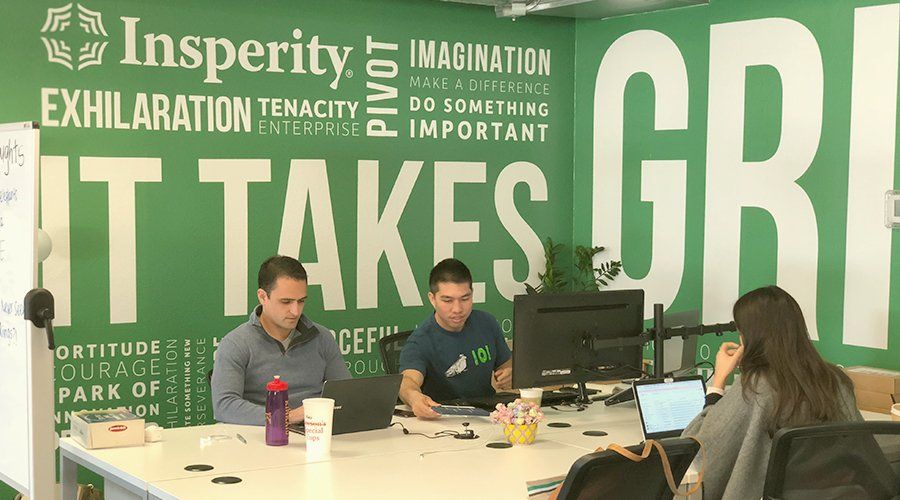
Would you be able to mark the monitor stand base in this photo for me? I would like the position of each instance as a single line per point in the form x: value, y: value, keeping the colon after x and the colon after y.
x: 583, y: 394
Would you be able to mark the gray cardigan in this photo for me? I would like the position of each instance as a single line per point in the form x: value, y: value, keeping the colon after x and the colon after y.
x: 247, y: 359
x: 733, y: 433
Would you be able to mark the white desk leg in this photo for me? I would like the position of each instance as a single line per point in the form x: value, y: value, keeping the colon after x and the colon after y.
x: 112, y: 490
x: 68, y: 476
x: 113, y: 487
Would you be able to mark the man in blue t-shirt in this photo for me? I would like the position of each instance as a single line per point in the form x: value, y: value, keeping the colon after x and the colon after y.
x: 456, y: 352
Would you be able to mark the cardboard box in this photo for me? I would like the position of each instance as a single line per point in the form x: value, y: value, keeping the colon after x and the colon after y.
x: 107, y: 428
x: 876, y: 389
x: 874, y: 379
x: 875, y: 401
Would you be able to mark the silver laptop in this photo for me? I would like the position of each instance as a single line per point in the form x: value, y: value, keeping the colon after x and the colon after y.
x: 666, y: 406
x: 360, y: 404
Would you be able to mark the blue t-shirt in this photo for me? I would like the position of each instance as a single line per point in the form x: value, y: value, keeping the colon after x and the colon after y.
x: 456, y: 364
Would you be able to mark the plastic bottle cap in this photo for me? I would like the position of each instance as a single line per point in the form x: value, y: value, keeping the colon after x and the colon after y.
x: 277, y: 384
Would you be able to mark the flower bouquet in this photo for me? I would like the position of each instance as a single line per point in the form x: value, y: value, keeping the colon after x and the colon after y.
x: 520, y: 420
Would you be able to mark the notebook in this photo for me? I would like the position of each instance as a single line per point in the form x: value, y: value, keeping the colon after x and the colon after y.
x: 360, y: 404
x: 666, y: 406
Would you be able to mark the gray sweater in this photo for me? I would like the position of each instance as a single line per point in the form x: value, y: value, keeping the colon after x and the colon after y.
x: 248, y: 358
x: 734, y: 434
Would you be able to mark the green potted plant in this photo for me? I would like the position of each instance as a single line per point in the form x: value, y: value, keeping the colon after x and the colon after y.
x: 586, y: 276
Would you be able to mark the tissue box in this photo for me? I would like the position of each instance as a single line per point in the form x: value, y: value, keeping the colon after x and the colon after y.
x: 107, y: 428
x: 876, y: 389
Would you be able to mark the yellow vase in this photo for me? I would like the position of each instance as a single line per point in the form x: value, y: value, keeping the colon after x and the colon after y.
x: 520, y: 434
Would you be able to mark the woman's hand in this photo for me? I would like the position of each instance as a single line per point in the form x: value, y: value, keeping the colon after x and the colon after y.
x: 727, y: 359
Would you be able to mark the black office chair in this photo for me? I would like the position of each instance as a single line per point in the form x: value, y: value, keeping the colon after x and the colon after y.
x: 847, y: 460
x: 607, y: 474
x: 390, y: 347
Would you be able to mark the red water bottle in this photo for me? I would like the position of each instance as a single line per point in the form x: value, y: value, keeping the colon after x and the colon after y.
x: 277, y: 410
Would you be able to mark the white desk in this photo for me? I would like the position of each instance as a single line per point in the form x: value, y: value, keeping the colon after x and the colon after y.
x: 466, y: 473
x: 372, y: 463
x: 445, y: 472
x: 129, y: 472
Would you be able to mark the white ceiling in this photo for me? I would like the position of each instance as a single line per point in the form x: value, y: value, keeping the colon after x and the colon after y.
x: 582, y: 9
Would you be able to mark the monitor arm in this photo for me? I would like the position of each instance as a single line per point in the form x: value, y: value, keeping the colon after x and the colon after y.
x: 659, y: 334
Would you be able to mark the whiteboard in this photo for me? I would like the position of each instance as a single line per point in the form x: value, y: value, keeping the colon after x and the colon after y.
x: 26, y: 364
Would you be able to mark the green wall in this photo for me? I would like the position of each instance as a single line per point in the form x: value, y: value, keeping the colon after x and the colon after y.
x: 486, y: 189
x: 761, y: 182
x: 192, y: 281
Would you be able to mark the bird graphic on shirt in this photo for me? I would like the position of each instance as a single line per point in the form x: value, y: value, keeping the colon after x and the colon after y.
x: 457, y: 367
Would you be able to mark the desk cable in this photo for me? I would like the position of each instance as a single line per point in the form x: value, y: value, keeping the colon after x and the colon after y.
x: 424, y: 453
x: 570, y: 407
x: 711, y: 372
x: 436, y: 435
x: 688, y: 370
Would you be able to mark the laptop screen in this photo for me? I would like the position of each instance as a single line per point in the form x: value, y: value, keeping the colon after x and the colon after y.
x: 667, y: 406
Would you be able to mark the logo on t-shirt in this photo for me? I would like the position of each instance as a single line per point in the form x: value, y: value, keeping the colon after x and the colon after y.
x: 481, y: 355
x: 457, y: 367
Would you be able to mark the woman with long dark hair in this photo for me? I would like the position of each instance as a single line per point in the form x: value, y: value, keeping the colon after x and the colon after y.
x: 784, y: 382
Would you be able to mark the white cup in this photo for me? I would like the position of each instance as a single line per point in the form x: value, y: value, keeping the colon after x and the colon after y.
x: 317, y: 422
x: 532, y: 395
x: 895, y: 412
x: 152, y: 433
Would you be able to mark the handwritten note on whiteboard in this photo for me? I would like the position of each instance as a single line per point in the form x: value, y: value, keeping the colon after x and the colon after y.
x: 18, y: 275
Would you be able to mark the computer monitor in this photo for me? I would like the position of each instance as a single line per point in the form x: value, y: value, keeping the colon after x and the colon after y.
x: 680, y: 354
x: 555, y: 337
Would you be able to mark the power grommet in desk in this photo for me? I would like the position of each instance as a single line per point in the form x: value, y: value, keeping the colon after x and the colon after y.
x: 559, y: 424
x: 226, y: 480
x: 198, y: 468
x: 499, y: 445
x: 595, y: 433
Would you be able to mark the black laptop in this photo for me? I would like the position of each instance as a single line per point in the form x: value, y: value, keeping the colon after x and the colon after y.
x: 360, y: 404
x: 667, y: 405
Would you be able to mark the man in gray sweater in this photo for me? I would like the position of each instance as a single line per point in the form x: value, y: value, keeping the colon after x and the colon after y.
x: 277, y: 340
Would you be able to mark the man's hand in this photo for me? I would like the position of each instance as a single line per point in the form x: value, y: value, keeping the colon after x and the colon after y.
x: 727, y: 359
x: 411, y: 394
x: 421, y: 406
x: 502, y: 378
x: 296, y: 415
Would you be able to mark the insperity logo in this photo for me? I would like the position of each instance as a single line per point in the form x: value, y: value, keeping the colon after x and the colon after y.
x: 300, y: 54
x: 59, y: 45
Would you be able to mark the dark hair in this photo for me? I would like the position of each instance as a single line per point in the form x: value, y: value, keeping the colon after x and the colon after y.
x: 449, y: 271
x: 777, y: 347
x: 277, y: 266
